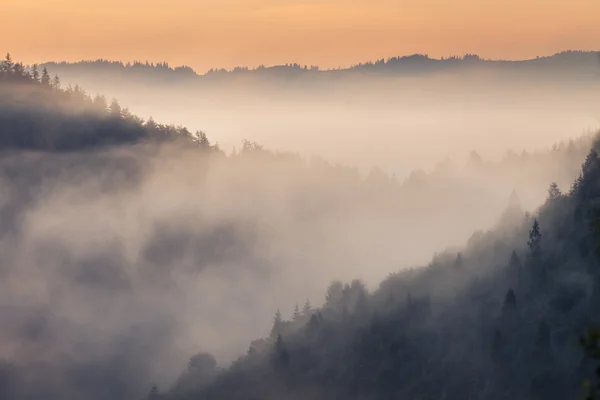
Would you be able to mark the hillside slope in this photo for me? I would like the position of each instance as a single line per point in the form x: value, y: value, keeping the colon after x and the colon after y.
x: 499, y: 320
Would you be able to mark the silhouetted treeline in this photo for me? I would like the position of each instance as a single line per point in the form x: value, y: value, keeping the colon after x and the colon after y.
x: 36, y: 113
x: 582, y: 63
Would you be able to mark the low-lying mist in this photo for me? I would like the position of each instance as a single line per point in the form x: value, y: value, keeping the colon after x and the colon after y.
x: 118, y: 265
x: 122, y: 255
x: 399, y: 123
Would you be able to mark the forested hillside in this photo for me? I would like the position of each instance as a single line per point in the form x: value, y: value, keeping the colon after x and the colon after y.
x: 37, y: 114
x: 500, y: 319
x: 127, y: 246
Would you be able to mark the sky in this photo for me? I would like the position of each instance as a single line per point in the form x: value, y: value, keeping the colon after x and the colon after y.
x: 208, y: 34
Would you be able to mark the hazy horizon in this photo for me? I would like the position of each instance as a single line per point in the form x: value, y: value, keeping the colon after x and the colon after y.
x: 330, y: 34
x: 320, y: 68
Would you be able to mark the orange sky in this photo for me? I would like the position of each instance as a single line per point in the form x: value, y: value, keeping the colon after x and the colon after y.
x: 330, y: 33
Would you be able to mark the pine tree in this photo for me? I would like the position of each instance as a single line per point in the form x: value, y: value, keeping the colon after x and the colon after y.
x: 56, y: 82
x: 277, y: 324
x: 362, y: 305
x: 510, y: 303
x: 313, y: 323
x: 590, y: 342
x: 554, y: 192
x: 100, y: 104
x: 409, y: 301
x: 458, y: 262
x: 115, y: 109
x: 19, y: 70
x: 45, y: 77
x: 307, y: 309
x: 7, y: 65
x: 514, y: 263
x: 35, y: 74
x: 334, y: 294
x: 535, y: 239
x: 296, y: 315
x: 514, y: 269
x: 282, y: 355
x: 537, y: 269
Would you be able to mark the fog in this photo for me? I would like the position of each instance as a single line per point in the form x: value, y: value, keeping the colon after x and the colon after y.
x: 119, y: 264
x: 146, y: 269
x: 399, y: 123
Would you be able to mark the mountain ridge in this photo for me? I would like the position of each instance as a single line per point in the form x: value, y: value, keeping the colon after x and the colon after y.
x: 410, y: 64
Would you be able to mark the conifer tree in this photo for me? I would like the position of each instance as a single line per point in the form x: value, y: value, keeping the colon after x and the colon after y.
x: 306, y: 310
x: 534, y: 242
x: 458, y: 262
x: 35, y: 74
x: 296, y: 315
x: 554, y: 192
x: 56, y: 82
x: 115, y: 109
x: 7, y: 65
x: 510, y: 303
x: 45, y: 77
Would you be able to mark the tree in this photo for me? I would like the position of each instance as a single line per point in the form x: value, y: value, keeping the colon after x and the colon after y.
x: 334, y: 294
x: 510, y: 303
x: 201, y: 139
x: 201, y: 370
x: 115, y: 109
x: 590, y: 342
x: 313, y: 323
x: 514, y: 269
x: 282, y: 355
x: 7, y: 65
x: 554, y: 192
x: 19, y: 71
x: 35, y: 74
x: 277, y: 324
x: 45, y: 77
x: 535, y: 239
x: 537, y: 271
x: 362, y: 305
x: 56, y: 82
x: 296, y: 315
x: 202, y: 362
x: 307, y: 309
x: 514, y: 263
x: 100, y: 104
x: 458, y: 262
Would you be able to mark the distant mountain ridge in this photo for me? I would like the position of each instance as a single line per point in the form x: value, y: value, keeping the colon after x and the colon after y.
x: 571, y: 61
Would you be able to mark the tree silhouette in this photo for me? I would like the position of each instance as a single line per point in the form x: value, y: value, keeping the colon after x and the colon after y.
x: 307, y: 309
x: 296, y: 315
x: 45, y: 77
x: 554, y: 192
